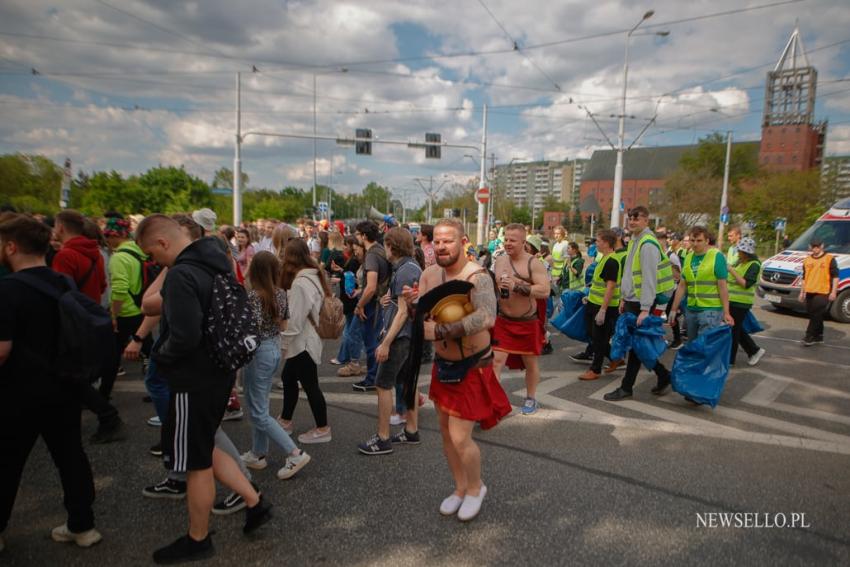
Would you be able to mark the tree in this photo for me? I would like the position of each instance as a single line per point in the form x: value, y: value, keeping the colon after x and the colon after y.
x: 223, y: 178
x: 30, y: 183
x: 690, y: 198
x: 709, y: 158
x: 794, y: 196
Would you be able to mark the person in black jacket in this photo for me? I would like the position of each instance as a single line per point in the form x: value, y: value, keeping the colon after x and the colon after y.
x: 199, y: 388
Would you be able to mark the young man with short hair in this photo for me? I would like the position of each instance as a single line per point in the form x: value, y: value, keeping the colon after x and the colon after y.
x: 819, y: 287
x: 199, y: 387
x: 376, y: 271
x: 311, y: 235
x: 734, y: 236
x: 393, y: 354
x: 522, y: 280
x: 44, y: 405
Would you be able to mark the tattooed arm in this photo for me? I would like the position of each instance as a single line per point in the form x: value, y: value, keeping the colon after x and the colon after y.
x: 483, y: 298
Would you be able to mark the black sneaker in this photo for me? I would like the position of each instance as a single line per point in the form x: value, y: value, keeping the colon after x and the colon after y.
x: 232, y: 503
x: 184, y: 549
x: 156, y: 450
x: 168, y: 488
x: 677, y: 344
x: 808, y: 341
x: 817, y: 340
x: 376, y: 446
x: 110, y: 433
x: 406, y: 437
x: 617, y: 395
x: 363, y: 386
x: 582, y: 358
x: 257, y: 516
x: 661, y: 388
x: 547, y: 348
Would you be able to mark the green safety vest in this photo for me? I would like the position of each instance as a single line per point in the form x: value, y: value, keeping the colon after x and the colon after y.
x: 664, y: 280
x: 738, y: 293
x: 558, y: 261
x: 702, y: 286
x: 576, y: 281
x: 598, y: 286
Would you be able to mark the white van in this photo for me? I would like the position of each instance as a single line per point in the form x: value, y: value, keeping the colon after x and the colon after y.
x: 782, y: 274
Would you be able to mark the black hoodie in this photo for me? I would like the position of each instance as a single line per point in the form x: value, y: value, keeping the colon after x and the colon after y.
x: 181, y: 353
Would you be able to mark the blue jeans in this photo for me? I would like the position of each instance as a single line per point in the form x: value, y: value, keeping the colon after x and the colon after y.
x: 157, y: 387
x: 257, y: 378
x: 371, y: 328
x: 699, y: 321
x: 352, y: 340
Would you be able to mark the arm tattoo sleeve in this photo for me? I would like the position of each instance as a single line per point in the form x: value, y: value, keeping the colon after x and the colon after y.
x: 483, y: 297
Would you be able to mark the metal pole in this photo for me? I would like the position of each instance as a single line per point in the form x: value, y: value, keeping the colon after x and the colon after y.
x: 330, y: 188
x: 431, y: 200
x: 237, y: 160
x: 483, y: 181
x: 618, y: 169
x: 724, y: 196
x: 315, y: 175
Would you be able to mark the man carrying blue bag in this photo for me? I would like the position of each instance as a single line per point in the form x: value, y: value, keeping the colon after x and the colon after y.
x: 704, y: 278
x: 647, y: 280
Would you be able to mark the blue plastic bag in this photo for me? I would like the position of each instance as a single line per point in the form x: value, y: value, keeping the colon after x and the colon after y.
x: 702, y: 365
x: 550, y: 306
x: 570, y: 301
x: 350, y: 283
x: 647, y: 340
x: 576, y: 327
x: 751, y: 324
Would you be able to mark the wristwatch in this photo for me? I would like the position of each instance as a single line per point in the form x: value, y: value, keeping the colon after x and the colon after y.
x: 136, y: 338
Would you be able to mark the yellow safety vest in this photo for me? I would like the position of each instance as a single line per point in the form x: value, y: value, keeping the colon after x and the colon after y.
x: 664, y: 281
x: 598, y: 286
x: 702, y: 286
x: 577, y: 280
x: 738, y: 293
x: 558, y: 259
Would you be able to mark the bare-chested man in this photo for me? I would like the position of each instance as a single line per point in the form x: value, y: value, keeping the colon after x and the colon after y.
x: 463, y: 386
x: 522, y: 281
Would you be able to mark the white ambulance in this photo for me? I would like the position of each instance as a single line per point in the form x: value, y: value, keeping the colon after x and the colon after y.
x: 782, y: 274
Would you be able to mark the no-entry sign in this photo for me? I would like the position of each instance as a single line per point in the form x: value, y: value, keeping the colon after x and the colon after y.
x: 483, y: 195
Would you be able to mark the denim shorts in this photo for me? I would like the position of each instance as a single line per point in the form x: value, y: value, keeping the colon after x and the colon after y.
x: 393, y: 370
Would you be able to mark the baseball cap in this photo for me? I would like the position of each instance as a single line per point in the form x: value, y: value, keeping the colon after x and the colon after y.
x: 206, y: 218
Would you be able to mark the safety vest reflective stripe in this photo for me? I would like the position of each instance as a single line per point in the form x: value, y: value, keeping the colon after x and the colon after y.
x: 598, y: 286
x: 738, y: 293
x: 664, y: 274
x: 702, y: 286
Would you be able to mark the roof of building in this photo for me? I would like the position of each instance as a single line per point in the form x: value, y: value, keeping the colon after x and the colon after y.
x: 639, y: 163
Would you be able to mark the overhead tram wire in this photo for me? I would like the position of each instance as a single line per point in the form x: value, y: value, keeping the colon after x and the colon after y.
x: 305, y: 66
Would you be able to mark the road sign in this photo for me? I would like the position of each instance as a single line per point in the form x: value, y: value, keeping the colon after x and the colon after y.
x: 483, y: 195
x: 323, y: 206
x: 724, y: 211
x: 779, y: 225
x: 724, y: 217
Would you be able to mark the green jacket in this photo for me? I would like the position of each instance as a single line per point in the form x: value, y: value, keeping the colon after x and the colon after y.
x: 125, y: 273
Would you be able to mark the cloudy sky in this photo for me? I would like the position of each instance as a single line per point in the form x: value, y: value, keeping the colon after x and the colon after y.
x: 129, y: 84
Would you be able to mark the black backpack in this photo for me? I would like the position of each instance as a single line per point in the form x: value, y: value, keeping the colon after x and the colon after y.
x: 86, y: 346
x: 230, y: 326
x: 149, y: 270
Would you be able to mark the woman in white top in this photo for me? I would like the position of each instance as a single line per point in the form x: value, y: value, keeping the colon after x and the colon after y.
x: 306, y: 286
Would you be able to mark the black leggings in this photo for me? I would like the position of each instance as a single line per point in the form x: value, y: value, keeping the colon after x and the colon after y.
x: 302, y: 369
x: 739, y: 337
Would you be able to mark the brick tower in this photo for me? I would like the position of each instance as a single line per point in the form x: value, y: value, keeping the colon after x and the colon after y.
x: 790, y: 139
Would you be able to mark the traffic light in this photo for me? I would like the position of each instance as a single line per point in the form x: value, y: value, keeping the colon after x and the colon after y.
x: 361, y: 147
x: 432, y: 152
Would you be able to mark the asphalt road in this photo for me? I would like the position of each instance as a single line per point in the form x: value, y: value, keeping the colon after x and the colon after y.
x: 584, y: 481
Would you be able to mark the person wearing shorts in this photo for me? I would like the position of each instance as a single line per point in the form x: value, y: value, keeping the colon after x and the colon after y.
x: 393, y: 353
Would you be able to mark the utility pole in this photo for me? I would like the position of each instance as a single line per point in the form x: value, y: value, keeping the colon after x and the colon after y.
x: 315, y: 174
x: 724, y: 209
x: 492, y: 195
x: 483, y: 180
x: 237, y: 160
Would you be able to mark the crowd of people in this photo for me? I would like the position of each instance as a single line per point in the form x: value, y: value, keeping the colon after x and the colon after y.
x: 406, y: 298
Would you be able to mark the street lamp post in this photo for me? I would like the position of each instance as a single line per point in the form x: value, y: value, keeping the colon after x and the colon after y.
x: 618, y: 169
x: 315, y: 155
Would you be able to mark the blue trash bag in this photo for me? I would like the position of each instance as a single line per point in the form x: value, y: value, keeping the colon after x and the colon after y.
x: 702, y: 365
x: 751, y: 324
x: 576, y: 326
x: 647, y: 340
x: 570, y: 301
x: 621, y: 342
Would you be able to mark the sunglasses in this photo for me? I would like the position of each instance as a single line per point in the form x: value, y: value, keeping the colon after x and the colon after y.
x: 635, y: 216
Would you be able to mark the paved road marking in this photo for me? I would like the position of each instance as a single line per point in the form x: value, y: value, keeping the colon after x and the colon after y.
x: 797, y: 341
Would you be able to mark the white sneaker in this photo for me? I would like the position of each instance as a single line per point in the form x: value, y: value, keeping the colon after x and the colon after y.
x: 288, y: 428
x: 154, y: 421
x: 397, y: 419
x: 471, y: 505
x: 315, y: 436
x: 754, y: 359
x: 451, y: 505
x: 83, y: 539
x: 253, y: 461
x: 293, y: 465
